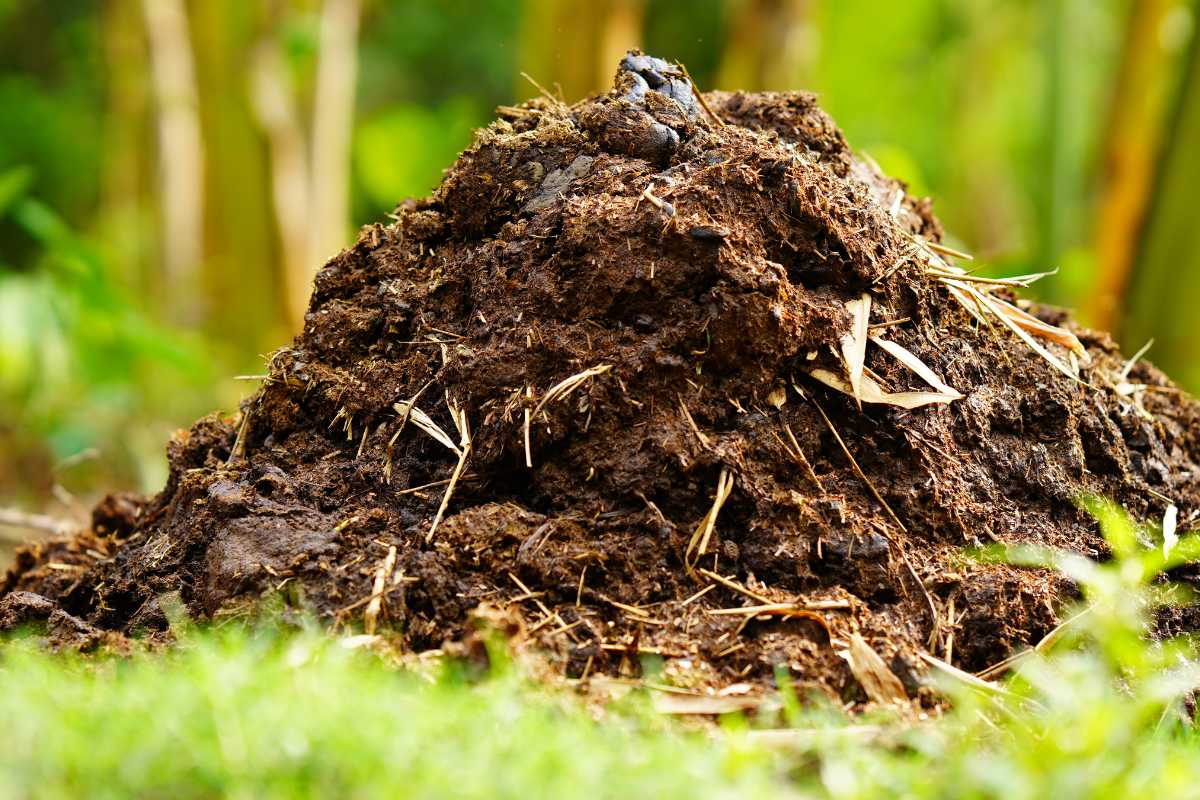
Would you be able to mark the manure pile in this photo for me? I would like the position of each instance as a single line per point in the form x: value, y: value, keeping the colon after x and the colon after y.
x: 655, y: 373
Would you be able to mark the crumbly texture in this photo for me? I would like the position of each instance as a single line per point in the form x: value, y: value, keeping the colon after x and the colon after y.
x: 699, y: 271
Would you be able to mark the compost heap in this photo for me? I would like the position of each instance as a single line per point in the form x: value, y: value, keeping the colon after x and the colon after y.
x: 650, y: 374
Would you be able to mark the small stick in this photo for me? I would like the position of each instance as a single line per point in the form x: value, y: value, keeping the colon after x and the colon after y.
x: 408, y: 407
x: 528, y: 420
x: 802, y: 458
x: 704, y: 531
x: 737, y: 587
x: 423, y: 487
x: 698, y: 594
x: 699, y: 96
x: 545, y: 93
x: 941, y: 249
x: 767, y: 608
x: 692, y: 423
x: 662, y: 205
x: 373, y: 607
x: 11, y: 518
x: 239, y: 444
x: 465, y: 444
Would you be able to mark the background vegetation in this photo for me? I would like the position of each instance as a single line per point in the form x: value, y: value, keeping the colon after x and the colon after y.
x: 172, y: 172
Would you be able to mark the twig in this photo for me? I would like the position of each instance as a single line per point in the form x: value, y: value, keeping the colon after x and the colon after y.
x: 1047, y: 641
x: 423, y: 487
x: 768, y: 608
x: 704, y: 531
x: 408, y: 407
x: 803, y: 459
x: 381, y: 575
x: 558, y: 391
x: 735, y: 586
x: 542, y: 89
x: 464, y: 427
x: 692, y: 423
x: 11, y: 518
x: 699, y: 96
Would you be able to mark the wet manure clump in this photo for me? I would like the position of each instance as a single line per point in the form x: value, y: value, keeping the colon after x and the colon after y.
x: 657, y: 373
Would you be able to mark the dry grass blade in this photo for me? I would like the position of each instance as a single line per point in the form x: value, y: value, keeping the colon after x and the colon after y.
x: 873, y: 393
x: 1124, y: 376
x: 942, y: 249
x: 528, y: 420
x: 797, y: 453
x: 425, y: 423
x: 1044, y: 330
x: 981, y: 304
x: 908, y: 359
x: 964, y: 677
x: 776, y: 608
x: 879, y: 682
x: 790, y: 610
x: 704, y: 531
x: 734, y: 585
x: 1016, y: 281
x: 687, y: 415
x: 997, y: 308
x: 704, y: 705
x: 1169, y: 526
x: 1047, y: 641
x: 371, y: 616
x: 854, y: 344
x: 568, y: 385
x: 464, y: 427
x: 404, y: 416
x: 558, y: 392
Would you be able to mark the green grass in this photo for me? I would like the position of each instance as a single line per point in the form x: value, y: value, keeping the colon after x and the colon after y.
x: 257, y: 712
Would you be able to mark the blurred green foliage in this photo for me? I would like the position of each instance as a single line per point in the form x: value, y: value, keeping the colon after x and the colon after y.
x: 999, y: 110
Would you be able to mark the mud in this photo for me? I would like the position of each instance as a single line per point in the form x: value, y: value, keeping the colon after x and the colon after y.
x: 694, y: 273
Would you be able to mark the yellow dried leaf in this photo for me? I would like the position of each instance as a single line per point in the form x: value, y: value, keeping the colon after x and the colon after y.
x: 854, y: 343
x: 873, y: 393
x: 910, y: 360
x: 879, y: 682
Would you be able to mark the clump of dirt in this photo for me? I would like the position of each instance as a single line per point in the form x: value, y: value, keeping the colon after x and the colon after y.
x: 601, y: 381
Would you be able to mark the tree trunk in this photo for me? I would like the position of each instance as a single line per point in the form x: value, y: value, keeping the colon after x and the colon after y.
x: 181, y: 148
x: 1166, y: 283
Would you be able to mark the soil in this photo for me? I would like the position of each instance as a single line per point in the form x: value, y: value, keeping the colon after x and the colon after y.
x: 691, y: 274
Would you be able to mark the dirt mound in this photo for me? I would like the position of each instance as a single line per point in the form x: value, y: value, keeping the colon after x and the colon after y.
x: 608, y: 380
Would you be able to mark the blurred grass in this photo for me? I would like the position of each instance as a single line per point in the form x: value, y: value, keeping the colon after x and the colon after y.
x: 999, y: 110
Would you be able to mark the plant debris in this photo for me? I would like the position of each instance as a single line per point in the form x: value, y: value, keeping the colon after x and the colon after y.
x: 787, y: 415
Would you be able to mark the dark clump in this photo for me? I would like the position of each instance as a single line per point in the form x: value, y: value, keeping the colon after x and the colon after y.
x: 578, y: 387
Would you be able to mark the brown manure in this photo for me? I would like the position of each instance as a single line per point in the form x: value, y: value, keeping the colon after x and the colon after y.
x: 651, y: 377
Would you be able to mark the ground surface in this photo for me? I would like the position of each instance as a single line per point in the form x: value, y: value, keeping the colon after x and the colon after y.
x: 595, y: 391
